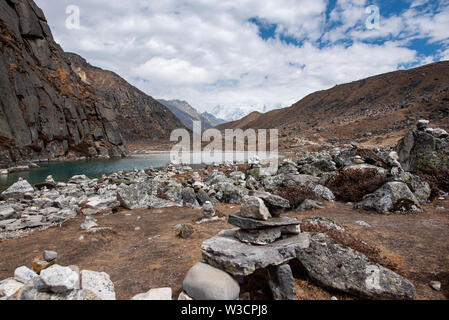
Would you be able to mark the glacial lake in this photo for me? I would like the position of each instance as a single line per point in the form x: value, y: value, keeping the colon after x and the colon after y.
x: 63, y: 171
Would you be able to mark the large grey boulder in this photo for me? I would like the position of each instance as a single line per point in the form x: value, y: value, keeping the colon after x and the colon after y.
x: 99, y: 283
x: 230, y: 193
x: 140, y: 195
x: 420, y: 150
x: 204, y: 282
x: 60, y: 279
x: 17, y: 190
x: 226, y: 252
x: 252, y: 224
x: 338, y: 268
x: 390, y: 198
x: 253, y: 207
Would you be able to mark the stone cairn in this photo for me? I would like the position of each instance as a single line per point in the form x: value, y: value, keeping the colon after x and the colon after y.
x: 260, y: 222
x: 263, y: 240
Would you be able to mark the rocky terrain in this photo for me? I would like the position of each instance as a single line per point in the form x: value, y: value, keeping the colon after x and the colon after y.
x: 378, y: 110
x: 186, y: 113
x: 55, y: 106
x: 396, y: 182
x: 139, y: 116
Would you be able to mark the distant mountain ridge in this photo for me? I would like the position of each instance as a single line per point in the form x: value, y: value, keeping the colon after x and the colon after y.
x: 212, y: 119
x: 186, y: 113
x: 376, y: 106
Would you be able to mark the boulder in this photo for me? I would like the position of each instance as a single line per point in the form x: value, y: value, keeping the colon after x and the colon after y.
x: 281, y: 282
x: 208, y: 210
x: 226, y: 252
x: 50, y: 256
x: 322, y: 191
x: 24, y: 274
x: 338, y: 268
x: 9, y: 287
x: 419, y: 150
x: 8, y: 213
x: 391, y: 198
x: 59, y: 279
x: 231, y: 193
x: 308, y: 205
x: 204, y: 282
x: 98, y: 283
x: 420, y: 188
x: 17, y: 190
x: 253, y: 207
x: 155, y: 294
x: 140, y: 195
x: 189, y: 197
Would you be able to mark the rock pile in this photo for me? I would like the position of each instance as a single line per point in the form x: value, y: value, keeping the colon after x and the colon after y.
x: 50, y: 281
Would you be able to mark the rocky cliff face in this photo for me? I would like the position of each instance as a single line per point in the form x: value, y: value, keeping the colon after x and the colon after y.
x: 139, y: 116
x: 46, y: 111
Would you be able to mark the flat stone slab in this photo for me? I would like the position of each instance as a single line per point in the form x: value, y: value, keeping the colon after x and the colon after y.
x: 226, y: 252
x: 252, y: 224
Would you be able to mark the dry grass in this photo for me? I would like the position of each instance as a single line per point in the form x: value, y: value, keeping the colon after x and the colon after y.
x: 353, y: 184
x: 295, y: 195
x: 437, y: 179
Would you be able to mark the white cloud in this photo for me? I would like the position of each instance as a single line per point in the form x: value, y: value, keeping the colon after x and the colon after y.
x: 208, y: 53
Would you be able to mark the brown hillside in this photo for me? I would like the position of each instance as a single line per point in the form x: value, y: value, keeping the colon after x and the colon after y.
x: 367, y: 110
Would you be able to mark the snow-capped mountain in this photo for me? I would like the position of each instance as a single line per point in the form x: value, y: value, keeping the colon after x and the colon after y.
x: 234, y: 114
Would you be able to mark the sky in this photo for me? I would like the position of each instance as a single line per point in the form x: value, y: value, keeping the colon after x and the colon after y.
x: 249, y: 55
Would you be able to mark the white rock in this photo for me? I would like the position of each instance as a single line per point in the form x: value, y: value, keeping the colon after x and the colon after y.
x: 155, y: 294
x: 89, y: 223
x: 184, y: 296
x: 59, y: 279
x: 436, y: 285
x: 24, y: 274
x: 17, y: 190
x: 98, y: 283
x: 9, y: 287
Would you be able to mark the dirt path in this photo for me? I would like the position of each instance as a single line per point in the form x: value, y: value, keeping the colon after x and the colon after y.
x: 155, y: 257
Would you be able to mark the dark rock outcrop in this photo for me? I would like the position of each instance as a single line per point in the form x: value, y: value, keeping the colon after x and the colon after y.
x: 137, y: 115
x: 46, y: 111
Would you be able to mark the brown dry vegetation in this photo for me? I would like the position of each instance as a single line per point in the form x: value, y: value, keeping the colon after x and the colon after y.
x: 295, y: 195
x: 353, y: 184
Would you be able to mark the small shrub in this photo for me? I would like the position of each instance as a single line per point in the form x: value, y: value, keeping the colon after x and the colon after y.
x: 295, y: 195
x: 353, y: 184
x: 437, y: 179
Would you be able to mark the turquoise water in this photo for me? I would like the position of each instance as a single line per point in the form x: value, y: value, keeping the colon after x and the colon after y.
x: 63, y: 171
